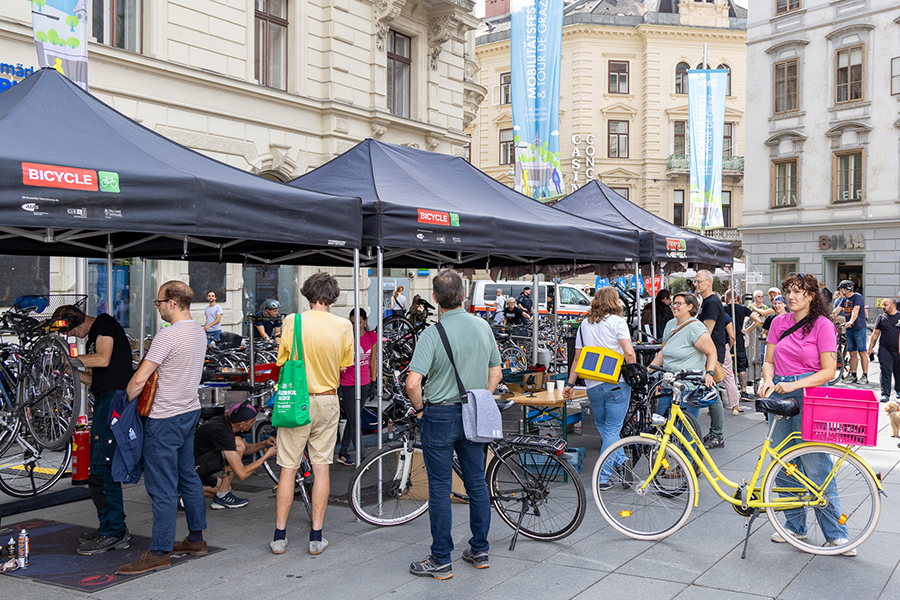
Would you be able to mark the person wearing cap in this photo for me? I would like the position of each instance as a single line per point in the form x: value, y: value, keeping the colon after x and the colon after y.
x: 764, y: 311
x: 854, y: 307
x: 269, y: 330
x: 219, y: 446
x: 108, y: 369
x: 525, y: 301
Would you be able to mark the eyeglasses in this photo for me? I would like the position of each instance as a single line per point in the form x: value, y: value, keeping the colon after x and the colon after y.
x: 674, y: 304
x: 156, y: 303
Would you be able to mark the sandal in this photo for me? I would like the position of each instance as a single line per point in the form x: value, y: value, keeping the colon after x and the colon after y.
x: 737, y: 410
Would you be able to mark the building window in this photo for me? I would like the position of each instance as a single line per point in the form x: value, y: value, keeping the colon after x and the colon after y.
x: 271, y: 43
x: 618, y: 77
x: 681, y: 137
x: 467, y: 152
x: 726, y: 208
x: 895, y: 76
x: 727, y: 78
x: 728, y: 141
x: 507, y: 147
x: 783, y: 6
x: 848, y: 176
x: 678, y: 208
x: 618, y: 139
x: 849, y: 75
x: 787, y: 86
x: 117, y: 23
x: 781, y: 269
x: 784, y: 183
x: 505, y: 81
x: 622, y: 191
x: 681, y: 78
x: 399, y: 65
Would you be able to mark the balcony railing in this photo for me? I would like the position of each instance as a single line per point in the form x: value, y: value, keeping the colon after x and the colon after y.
x: 681, y: 163
x: 725, y: 234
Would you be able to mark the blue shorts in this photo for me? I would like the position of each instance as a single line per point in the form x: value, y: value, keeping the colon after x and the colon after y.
x: 856, y: 340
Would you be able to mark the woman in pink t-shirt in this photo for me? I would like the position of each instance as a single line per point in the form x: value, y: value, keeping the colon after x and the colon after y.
x: 805, y: 358
x: 347, y: 390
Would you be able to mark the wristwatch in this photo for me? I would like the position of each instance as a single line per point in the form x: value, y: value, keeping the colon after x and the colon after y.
x: 571, y: 385
x: 711, y: 373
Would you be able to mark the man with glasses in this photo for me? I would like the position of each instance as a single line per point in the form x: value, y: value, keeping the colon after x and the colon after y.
x: 712, y: 315
x: 176, y: 354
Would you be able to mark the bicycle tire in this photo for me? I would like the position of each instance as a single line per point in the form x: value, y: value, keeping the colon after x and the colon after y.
x: 50, y: 391
x: 263, y: 430
x: 10, y: 423
x: 26, y: 469
x: 304, y: 485
x: 658, y: 510
x: 551, y: 506
x: 399, y: 327
x: 396, y: 506
x: 514, y: 359
x: 859, y: 501
x: 838, y: 368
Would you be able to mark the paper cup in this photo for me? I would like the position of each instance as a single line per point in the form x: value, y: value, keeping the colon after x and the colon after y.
x: 560, y: 384
x: 550, y: 386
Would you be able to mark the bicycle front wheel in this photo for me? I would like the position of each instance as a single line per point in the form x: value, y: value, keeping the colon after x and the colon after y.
x: 540, y: 494
x: 27, y: 469
x: 636, y: 504
x: 50, y: 390
x: 390, y: 487
x: 263, y: 430
x: 851, y: 503
x: 514, y: 359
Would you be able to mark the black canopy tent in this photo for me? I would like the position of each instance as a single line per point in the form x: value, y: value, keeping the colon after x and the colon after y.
x: 660, y: 240
x: 424, y: 208
x: 78, y: 178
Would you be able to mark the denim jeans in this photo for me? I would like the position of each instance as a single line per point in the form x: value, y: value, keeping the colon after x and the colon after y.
x: 816, y: 467
x: 105, y: 493
x: 213, y: 336
x: 169, y: 472
x: 441, y: 431
x: 609, y: 404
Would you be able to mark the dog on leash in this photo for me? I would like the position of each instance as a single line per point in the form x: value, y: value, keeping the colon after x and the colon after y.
x: 893, y: 411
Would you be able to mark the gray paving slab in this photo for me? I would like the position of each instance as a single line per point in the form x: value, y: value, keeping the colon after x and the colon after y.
x: 625, y: 587
x: 606, y: 550
x: 698, y: 592
x: 550, y: 582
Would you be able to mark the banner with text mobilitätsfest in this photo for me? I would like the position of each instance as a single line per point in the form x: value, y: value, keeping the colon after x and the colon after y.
x: 706, y: 121
x: 535, y: 50
x: 60, y: 37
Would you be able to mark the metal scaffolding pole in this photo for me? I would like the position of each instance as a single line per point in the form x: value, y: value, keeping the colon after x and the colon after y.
x: 356, y: 351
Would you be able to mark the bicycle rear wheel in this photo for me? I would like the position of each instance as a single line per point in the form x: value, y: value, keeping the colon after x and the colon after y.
x: 50, y: 390
x: 637, y: 505
x: 390, y: 487
x: 9, y: 410
x: 853, y: 503
x: 539, y: 493
x: 514, y: 359
x: 27, y: 469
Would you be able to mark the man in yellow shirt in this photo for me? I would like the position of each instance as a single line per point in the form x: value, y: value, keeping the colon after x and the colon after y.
x: 327, y: 348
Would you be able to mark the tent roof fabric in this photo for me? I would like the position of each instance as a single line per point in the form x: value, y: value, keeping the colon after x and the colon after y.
x: 661, y: 241
x: 74, y: 171
x: 433, y: 208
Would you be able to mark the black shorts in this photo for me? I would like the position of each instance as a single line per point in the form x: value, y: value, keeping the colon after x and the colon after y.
x: 742, y: 364
x: 207, y: 465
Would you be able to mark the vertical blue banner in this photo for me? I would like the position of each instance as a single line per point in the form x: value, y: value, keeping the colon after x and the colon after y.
x: 706, y: 120
x: 535, y: 51
x: 60, y: 37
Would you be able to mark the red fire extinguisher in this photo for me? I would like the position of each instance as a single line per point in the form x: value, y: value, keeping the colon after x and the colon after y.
x: 81, y: 455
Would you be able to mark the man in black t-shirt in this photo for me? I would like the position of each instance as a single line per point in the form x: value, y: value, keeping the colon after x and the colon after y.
x: 108, y: 370
x: 741, y: 313
x: 712, y: 315
x: 887, y: 329
x: 219, y: 445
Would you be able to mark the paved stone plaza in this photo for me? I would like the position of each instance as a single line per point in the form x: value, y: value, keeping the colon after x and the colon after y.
x: 702, y: 560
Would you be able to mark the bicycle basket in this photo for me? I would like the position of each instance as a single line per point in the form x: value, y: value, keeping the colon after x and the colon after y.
x: 840, y: 416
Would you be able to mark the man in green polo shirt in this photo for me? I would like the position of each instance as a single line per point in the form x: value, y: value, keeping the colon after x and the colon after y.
x: 478, y: 362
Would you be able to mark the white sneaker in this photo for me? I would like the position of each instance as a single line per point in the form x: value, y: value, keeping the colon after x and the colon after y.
x: 776, y: 537
x: 841, y: 542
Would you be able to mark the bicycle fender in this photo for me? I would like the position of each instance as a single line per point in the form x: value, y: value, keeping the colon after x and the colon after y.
x: 678, y: 451
x: 837, y: 447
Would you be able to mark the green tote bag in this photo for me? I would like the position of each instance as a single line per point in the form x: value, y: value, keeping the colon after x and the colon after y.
x: 292, y: 398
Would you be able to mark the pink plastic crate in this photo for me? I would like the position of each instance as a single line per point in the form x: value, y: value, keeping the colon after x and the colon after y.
x: 840, y: 416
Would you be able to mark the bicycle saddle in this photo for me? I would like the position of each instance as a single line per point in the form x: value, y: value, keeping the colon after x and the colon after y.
x: 787, y: 407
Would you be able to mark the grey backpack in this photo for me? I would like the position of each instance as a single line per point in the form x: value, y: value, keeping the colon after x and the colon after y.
x: 480, y: 416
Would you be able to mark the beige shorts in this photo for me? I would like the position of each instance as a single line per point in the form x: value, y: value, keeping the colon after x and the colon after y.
x: 319, y: 437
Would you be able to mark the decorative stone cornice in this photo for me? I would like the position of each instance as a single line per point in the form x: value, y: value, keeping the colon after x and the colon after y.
x: 385, y: 12
x: 432, y: 142
x: 379, y: 128
x: 856, y: 27
x: 790, y: 134
x: 786, y: 44
x: 412, y: 145
x: 440, y: 29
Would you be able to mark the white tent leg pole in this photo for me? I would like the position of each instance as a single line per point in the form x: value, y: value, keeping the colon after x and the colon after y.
x: 380, y: 383
x: 356, y: 347
x: 109, y: 270
x: 637, y: 297
x: 738, y: 327
x: 143, y: 295
x: 535, y: 317
x: 653, y: 295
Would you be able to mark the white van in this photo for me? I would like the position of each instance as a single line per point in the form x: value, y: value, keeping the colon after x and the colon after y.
x: 482, y: 294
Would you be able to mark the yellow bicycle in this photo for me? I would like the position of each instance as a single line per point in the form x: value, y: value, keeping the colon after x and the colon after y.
x: 821, y: 498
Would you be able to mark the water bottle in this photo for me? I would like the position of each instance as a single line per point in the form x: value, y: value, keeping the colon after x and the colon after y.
x: 390, y: 430
x: 521, y: 426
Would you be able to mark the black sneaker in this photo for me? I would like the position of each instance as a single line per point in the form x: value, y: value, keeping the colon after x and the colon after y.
x: 90, y: 536
x: 105, y: 543
x: 229, y: 500
x: 429, y: 568
x: 480, y: 560
x: 714, y: 442
x: 605, y: 486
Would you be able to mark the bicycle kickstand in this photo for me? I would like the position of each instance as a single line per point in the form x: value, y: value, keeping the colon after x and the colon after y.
x: 749, y: 527
x: 515, y: 537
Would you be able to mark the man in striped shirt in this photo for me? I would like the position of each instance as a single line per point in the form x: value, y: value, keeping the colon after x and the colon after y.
x: 177, y: 355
